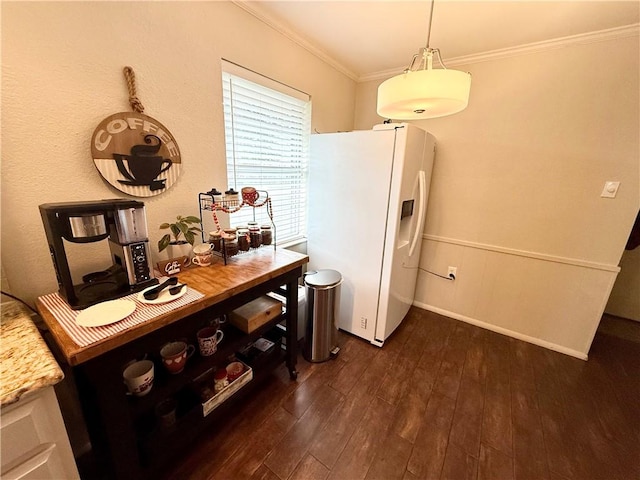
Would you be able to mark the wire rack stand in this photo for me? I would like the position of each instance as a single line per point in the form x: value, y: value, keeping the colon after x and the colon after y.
x: 208, y: 204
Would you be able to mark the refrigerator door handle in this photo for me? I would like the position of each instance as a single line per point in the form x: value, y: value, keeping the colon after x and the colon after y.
x: 422, y: 180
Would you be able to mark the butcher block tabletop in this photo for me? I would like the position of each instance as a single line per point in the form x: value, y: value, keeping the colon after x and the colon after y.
x: 217, y: 282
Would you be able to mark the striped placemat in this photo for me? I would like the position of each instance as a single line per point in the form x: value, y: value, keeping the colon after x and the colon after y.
x: 84, y: 336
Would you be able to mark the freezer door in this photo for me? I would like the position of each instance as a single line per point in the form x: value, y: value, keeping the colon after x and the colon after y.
x: 349, y: 182
x: 409, y: 195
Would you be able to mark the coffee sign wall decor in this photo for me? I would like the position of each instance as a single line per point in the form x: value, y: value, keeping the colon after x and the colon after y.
x: 134, y: 152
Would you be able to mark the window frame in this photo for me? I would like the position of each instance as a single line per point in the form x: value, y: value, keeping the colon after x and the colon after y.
x: 294, y: 205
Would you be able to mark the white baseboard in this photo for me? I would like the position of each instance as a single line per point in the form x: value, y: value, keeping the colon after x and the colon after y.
x: 503, y: 331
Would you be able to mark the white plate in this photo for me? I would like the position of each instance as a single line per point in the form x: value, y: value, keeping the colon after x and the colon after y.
x: 164, y: 296
x: 105, y: 313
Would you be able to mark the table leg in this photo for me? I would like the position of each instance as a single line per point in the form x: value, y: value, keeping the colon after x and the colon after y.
x: 292, y: 327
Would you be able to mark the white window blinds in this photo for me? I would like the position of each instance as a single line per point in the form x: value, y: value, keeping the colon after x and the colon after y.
x: 267, y: 143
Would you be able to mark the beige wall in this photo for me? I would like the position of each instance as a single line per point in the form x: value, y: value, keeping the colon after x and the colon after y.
x: 625, y: 297
x: 515, y: 200
x: 62, y: 74
x: 515, y: 195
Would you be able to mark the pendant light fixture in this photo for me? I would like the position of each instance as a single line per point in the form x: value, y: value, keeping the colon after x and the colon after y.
x: 422, y: 91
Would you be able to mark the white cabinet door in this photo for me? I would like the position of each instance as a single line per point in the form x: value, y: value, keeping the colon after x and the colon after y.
x: 33, y: 440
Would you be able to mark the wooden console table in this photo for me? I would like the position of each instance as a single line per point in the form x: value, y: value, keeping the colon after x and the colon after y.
x: 123, y: 429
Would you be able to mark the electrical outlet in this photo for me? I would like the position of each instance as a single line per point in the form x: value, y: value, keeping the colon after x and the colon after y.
x: 452, y: 273
x: 363, y: 323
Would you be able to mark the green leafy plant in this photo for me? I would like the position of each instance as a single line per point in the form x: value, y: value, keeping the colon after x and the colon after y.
x: 182, y: 226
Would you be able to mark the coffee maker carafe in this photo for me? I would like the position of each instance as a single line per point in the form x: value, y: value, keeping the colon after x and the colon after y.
x: 125, y: 269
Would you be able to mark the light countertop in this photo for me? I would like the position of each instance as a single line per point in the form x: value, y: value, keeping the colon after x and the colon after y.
x: 26, y: 363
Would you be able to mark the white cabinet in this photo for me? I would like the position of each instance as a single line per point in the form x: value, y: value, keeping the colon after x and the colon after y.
x: 33, y: 440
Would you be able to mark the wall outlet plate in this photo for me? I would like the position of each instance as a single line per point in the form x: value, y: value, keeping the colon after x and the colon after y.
x: 452, y: 272
x: 610, y: 189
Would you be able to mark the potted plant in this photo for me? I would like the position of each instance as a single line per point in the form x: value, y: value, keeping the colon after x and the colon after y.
x: 183, y: 226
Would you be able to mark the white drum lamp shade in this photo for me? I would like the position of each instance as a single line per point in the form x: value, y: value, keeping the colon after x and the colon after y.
x: 420, y: 94
x: 422, y: 91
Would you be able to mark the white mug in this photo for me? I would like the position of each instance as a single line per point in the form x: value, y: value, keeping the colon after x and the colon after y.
x: 138, y: 377
x: 202, y: 249
x: 203, y: 254
x: 208, y: 340
x: 202, y: 260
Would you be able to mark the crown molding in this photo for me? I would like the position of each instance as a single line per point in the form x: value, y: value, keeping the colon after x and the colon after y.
x: 295, y: 37
x: 536, y: 47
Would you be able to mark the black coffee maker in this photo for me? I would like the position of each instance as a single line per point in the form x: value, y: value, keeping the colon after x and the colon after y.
x: 126, y: 268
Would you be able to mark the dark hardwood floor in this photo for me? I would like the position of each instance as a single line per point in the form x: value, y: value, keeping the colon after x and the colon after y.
x: 441, y: 400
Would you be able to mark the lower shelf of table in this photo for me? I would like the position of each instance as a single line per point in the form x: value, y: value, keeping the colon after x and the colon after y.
x: 158, y: 444
x: 166, y: 385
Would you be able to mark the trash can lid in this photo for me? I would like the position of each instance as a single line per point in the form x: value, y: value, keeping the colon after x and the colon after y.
x: 322, y: 278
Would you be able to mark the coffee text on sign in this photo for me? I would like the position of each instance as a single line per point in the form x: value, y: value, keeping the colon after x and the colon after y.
x: 118, y: 125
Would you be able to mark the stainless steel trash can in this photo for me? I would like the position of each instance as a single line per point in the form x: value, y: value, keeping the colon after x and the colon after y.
x: 322, y: 291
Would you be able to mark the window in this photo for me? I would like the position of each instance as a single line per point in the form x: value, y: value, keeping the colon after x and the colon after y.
x: 267, y: 128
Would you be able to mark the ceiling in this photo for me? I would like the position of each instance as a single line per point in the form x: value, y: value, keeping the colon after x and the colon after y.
x: 370, y: 38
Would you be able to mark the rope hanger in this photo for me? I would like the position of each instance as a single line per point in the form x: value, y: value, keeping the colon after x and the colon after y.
x: 135, y: 102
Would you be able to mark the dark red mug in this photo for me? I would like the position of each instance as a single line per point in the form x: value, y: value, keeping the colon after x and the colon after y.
x: 175, y: 355
x: 250, y: 195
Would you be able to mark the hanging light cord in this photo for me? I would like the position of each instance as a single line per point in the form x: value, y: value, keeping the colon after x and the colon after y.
x: 429, y: 24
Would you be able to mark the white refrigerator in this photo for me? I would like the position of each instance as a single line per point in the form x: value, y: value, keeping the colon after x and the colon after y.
x: 368, y: 193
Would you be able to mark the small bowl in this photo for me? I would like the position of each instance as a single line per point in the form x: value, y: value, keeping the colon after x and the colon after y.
x: 234, y: 370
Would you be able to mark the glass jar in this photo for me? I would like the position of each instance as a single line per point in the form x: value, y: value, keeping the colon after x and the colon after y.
x: 255, y: 238
x: 215, y: 195
x: 231, y: 198
x: 243, y: 239
x: 267, y: 235
x: 215, y: 238
x: 231, y: 246
x: 230, y: 233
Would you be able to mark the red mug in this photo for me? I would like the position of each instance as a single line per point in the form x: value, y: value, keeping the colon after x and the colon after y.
x: 250, y: 195
x: 175, y: 355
